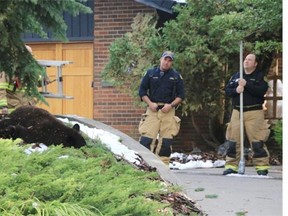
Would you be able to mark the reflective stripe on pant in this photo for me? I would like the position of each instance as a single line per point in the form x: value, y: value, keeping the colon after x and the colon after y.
x: 256, y: 129
x: 233, y: 156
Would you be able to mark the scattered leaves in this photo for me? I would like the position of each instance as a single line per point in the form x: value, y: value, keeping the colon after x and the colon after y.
x: 211, y: 196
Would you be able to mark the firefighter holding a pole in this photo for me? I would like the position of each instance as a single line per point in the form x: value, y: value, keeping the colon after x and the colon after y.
x: 247, y: 113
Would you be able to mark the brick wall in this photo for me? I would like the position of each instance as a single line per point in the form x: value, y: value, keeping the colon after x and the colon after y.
x: 113, y: 18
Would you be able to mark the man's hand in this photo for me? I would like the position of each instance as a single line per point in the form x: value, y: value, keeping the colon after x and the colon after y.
x: 240, y: 89
x: 153, y: 107
x: 242, y: 82
x: 166, y: 108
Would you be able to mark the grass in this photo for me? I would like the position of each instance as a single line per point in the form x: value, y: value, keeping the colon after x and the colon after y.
x: 89, y: 181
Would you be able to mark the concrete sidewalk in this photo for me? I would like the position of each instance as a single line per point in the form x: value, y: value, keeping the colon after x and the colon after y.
x: 247, y: 194
x: 215, y: 194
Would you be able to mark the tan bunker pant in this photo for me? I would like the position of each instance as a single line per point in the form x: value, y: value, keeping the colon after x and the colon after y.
x: 164, y: 125
x: 256, y: 129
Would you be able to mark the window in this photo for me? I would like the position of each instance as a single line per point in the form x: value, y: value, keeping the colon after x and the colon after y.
x: 273, y: 102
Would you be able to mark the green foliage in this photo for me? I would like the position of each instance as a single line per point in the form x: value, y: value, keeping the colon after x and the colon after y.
x: 205, y: 37
x: 34, y: 16
x: 67, y: 181
x: 133, y: 54
x: 278, y: 133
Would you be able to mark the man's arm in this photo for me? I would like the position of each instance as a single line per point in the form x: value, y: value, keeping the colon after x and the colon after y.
x: 144, y: 86
x: 176, y: 102
x: 231, y: 87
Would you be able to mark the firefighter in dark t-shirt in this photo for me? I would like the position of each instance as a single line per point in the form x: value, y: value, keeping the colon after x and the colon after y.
x: 162, y: 89
x: 254, y: 87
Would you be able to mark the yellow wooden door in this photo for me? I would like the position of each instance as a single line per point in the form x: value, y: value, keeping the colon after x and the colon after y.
x: 77, y: 77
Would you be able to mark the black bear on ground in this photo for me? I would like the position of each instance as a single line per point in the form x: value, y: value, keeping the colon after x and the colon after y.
x: 36, y: 125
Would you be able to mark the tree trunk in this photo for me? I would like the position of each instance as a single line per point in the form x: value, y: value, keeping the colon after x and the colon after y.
x: 207, y: 138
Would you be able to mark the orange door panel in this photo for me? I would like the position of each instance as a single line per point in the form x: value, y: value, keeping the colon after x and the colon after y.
x: 77, y: 77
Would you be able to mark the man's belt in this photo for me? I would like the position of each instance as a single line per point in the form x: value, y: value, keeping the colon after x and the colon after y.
x: 160, y: 106
x: 249, y: 107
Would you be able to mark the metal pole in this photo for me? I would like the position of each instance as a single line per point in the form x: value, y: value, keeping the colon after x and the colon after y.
x: 241, y: 168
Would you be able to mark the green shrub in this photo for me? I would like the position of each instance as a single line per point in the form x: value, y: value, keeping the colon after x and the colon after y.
x: 277, y: 128
x: 89, y: 181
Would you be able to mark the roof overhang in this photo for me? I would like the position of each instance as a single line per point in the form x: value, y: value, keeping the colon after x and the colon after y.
x: 163, y: 5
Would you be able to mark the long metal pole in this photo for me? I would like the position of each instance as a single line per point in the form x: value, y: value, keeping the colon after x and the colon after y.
x: 241, y: 168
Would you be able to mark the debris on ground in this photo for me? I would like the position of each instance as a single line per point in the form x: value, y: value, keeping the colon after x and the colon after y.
x: 211, y: 159
x: 195, y: 160
x: 181, y: 204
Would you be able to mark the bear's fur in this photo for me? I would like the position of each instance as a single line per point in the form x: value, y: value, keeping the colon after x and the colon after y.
x: 36, y: 125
